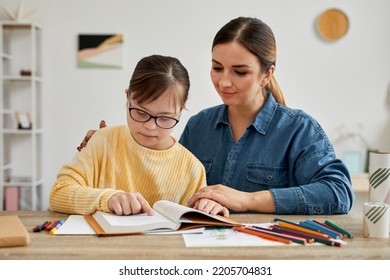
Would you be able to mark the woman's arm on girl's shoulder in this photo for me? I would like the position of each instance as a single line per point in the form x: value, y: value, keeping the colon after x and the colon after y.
x: 89, y: 135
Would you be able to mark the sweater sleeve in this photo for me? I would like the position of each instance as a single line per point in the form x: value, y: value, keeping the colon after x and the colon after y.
x: 74, y: 191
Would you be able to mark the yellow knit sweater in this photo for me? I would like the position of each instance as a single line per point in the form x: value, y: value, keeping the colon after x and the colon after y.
x: 113, y: 162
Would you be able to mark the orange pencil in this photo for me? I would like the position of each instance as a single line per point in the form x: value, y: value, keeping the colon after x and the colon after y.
x: 301, y: 228
x: 263, y: 235
x: 48, y: 226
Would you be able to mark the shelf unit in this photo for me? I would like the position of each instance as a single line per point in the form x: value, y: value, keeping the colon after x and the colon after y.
x: 21, y: 91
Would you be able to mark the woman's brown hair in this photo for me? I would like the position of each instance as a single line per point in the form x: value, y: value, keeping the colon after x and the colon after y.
x: 259, y: 39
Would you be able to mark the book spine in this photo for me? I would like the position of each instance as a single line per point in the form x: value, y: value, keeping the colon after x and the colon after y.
x: 11, y: 197
x: 25, y: 199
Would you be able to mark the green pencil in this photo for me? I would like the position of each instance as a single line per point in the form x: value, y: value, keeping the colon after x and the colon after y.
x: 336, y: 227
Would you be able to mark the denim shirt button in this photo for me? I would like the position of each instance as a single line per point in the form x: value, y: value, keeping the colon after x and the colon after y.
x: 319, y: 211
x: 269, y: 177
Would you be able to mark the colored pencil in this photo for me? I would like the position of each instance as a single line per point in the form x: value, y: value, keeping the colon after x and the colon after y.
x: 342, y: 235
x: 316, y: 238
x: 285, y: 221
x: 301, y: 228
x: 263, y: 235
x: 293, y: 238
x: 309, y: 237
x: 314, y: 226
x: 338, y: 228
x: 297, y: 232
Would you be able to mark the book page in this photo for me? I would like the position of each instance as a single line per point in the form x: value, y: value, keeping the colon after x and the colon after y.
x: 172, y: 210
x: 75, y: 225
x: 176, y: 211
x: 112, y: 223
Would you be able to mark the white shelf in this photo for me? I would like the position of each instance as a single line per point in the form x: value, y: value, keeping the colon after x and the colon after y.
x: 23, y: 184
x: 6, y: 167
x: 6, y: 56
x: 7, y: 111
x: 22, y: 25
x: 16, y: 78
x: 22, y: 131
x: 21, y: 149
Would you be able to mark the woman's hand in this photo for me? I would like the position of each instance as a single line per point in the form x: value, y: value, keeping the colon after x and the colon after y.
x: 89, y: 135
x: 129, y: 203
x: 228, y: 197
x: 238, y: 201
x: 211, y: 207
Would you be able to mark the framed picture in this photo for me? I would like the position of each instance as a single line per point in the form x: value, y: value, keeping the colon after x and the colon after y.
x: 23, y: 120
x: 100, y: 51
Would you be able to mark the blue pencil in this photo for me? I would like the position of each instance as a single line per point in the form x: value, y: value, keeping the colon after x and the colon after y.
x: 316, y: 227
x: 325, y: 230
x: 285, y: 221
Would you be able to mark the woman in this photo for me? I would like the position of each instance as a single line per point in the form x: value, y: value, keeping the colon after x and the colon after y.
x: 271, y: 158
x: 259, y: 155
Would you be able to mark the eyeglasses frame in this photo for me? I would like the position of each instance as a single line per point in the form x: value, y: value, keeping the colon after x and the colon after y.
x: 152, y: 117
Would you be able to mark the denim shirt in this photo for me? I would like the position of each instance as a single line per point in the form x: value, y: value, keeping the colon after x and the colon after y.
x: 284, y: 151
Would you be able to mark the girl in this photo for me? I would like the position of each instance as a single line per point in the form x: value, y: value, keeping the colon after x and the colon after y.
x: 125, y: 169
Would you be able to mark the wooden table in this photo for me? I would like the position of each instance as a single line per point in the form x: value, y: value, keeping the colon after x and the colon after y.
x: 171, y: 247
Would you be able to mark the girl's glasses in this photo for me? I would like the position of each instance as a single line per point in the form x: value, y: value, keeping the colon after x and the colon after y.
x: 161, y: 121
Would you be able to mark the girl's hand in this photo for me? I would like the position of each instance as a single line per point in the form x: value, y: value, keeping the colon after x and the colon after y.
x: 211, y: 207
x: 129, y: 203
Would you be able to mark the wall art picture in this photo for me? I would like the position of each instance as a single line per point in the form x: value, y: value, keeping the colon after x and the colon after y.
x: 100, y: 51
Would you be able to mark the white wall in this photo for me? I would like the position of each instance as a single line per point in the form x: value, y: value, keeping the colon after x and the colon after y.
x: 339, y: 83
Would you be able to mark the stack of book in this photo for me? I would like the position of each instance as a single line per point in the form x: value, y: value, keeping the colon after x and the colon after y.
x: 17, y: 198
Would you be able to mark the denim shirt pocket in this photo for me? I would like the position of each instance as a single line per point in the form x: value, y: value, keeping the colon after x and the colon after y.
x: 269, y: 176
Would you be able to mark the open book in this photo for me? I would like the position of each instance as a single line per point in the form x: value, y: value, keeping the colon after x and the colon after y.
x: 168, y: 216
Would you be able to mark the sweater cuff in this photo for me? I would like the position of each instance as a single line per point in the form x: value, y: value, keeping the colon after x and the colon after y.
x: 103, y: 202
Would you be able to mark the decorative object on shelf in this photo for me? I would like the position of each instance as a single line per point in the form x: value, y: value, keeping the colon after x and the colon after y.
x: 332, y: 24
x: 100, y: 51
x: 23, y: 119
x: 25, y: 72
x: 352, y: 148
x: 18, y: 15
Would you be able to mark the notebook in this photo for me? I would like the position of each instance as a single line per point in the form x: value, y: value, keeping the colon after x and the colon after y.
x: 12, y: 232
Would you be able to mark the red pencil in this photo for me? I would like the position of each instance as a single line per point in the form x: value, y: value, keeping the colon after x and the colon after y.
x: 293, y: 238
x: 47, y: 227
x: 309, y: 237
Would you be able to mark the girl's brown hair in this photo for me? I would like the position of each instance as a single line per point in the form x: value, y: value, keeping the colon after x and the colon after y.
x: 154, y: 74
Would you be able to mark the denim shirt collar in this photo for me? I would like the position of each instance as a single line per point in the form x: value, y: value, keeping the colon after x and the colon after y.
x: 261, y: 121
